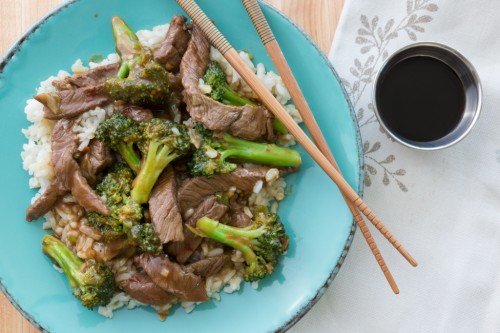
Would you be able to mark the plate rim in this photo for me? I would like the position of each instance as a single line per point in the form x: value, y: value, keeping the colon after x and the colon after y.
x: 16, y: 47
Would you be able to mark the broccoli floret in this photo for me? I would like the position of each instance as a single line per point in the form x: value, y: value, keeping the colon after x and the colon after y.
x: 261, y: 243
x: 140, y: 79
x: 220, y: 89
x: 121, y: 134
x: 213, y: 154
x: 92, y: 283
x: 144, y: 236
x: 115, y: 188
x: 163, y: 142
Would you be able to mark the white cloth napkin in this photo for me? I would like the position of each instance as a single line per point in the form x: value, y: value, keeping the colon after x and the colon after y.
x: 444, y: 206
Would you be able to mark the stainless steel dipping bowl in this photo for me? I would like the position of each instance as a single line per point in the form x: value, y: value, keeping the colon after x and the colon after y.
x: 465, y: 72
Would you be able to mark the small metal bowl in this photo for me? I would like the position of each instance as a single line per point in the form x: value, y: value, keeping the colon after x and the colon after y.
x: 465, y: 72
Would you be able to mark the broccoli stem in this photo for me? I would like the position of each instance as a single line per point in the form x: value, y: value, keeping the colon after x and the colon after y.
x: 230, y: 236
x: 130, y: 156
x: 64, y: 258
x: 123, y: 71
x: 158, y: 157
x: 259, y: 153
x: 126, y: 42
x: 230, y: 97
x: 279, y: 127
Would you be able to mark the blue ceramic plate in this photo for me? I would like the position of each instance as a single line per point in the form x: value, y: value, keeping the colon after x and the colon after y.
x: 319, y: 224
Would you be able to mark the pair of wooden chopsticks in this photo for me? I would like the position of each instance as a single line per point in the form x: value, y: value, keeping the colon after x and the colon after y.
x: 321, y: 153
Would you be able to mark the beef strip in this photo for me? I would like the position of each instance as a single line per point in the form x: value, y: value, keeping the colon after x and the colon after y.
x: 105, y: 251
x: 164, y: 208
x: 194, y: 190
x: 173, y: 278
x: 209, y: 207
x: 46, y: 201
x: 237, y: 216
x: 142, y: 288
x: 96, y: 159
x: 136, y: 113
x: 208, y: 266
x: 64, y: 146
x: 247, y: 122
x: 175, y: 44
x: 92, y: 77
x: 68, y: 175
x: 72, y: 103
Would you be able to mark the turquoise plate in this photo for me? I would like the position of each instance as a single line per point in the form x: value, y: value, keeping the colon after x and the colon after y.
x: 320, y: 226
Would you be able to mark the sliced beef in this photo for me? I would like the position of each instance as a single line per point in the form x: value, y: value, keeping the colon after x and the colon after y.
x: 194, y: 190
x: 142, y: 288
x: 175, y: 44
x: 92, y: 77
x: 72, y: 103
x: 208, y: 266
x: 247, y: 122
x: 67, y: 170
x: 97, y: 158
x: 175, y: 97
x: 69, y: 177
x: 136, y: 113
x: 164, y: 208
x: 239, y: 219
x: 46, y: 201
x: 237, y: 216
x: 106, y: 251
x: 173, y: 278
x: 209, y: 207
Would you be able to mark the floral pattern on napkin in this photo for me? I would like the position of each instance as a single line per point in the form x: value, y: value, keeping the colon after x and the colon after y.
x: 374, y: 38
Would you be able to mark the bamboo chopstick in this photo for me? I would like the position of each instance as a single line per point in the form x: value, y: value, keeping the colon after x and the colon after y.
x: 268, y: 39
x: 225, y: 48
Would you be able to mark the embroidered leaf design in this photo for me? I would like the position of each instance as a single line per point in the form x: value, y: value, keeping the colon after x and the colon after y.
x: 360, y: 114
x: 411, y: 34
x: 424, y: 19
x: 412, y: 19
x: 380, y: 33
x: 366, y: 145
x: 388, y: 159
x: 385, y: 180
x: 400, y: 172
x: 374, y: 23
x: 393, y: 35
x: 409, y: 6
x: 369, y: 61
x: 431, y: 7
x: 363, y: 32
x: 366, y: 49
x: 367, y: 180
x: 376, y: 146
x: 417, y: 28
x: 364, y: 22
x: 354, y: 72
x: 346, y: 84
x: 388, y: 26
x: 357, y: 63
x: 371, y: 169
x: 402, y: 186
x: 355, y: 87
x: 362, y: 40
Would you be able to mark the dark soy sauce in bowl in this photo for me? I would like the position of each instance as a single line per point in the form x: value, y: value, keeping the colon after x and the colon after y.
x: 420, y: 98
